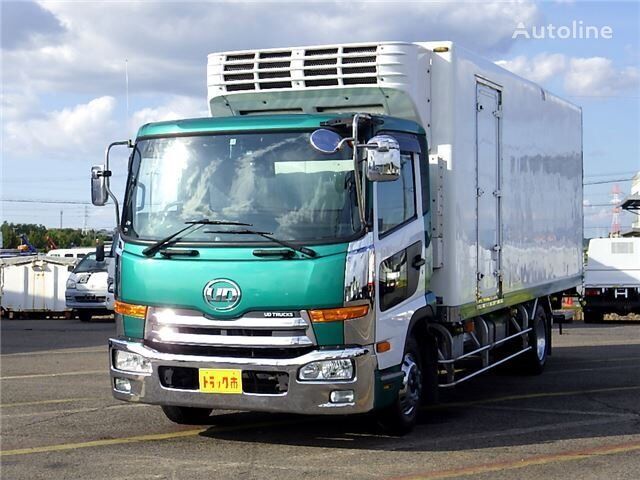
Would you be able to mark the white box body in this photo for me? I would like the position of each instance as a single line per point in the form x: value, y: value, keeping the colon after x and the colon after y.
x: 521, y: 238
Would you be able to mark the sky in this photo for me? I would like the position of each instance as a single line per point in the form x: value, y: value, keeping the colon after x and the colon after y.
x: 64, y: 68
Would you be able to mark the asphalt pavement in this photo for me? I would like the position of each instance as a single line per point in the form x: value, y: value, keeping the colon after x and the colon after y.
x: 579, y: 419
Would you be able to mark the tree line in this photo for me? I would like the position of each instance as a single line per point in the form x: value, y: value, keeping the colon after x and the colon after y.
x: 45, y: 239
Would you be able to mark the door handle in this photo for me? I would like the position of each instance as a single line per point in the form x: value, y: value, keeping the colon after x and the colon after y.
x: 418, y: 261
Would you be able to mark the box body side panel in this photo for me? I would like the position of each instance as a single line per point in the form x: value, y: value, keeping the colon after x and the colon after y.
x: 540, y: 180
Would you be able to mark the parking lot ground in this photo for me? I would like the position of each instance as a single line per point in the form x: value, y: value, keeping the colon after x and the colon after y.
x: 580, y: 419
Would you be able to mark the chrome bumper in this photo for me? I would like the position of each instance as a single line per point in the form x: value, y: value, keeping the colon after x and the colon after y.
x: 309, y: 397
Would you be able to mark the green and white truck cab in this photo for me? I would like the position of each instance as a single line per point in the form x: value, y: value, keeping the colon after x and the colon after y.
x: 341, y: 237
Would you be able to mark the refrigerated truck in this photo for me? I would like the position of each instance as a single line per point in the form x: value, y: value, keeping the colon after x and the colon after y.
x: 353, y: 228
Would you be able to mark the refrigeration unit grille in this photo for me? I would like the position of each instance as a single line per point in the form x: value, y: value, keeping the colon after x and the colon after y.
x: 300, y: 68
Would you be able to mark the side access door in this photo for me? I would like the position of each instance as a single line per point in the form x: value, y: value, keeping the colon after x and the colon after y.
x: 488, y: 156
x: 399, y: 241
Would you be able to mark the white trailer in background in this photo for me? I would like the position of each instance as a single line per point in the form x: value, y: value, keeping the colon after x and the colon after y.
x: 612, y: 278
x: 33, y: 284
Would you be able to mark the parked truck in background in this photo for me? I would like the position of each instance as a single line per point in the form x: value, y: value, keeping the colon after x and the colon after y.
x: 611, y: 278
x: 354, y: 227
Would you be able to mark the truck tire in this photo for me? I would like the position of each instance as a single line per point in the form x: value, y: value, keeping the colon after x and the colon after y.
x: 534, y: 360
x: 400, y: 417
x: 187, y: 415
x: 84, y: 316
x: 593, y: 316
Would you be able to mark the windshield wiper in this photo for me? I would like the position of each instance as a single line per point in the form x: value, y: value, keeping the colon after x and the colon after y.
x: 151, y: 250
x: 304, y: 250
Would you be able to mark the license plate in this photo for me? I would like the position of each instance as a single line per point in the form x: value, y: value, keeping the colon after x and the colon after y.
x: 220, y: 380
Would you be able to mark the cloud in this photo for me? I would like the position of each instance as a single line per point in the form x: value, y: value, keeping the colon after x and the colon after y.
x: 24, y: 23
x: 592, y: 76
x: 87, y: 128
x: 597, y: 76
x: 177, y: 107
x: 539, y: 69
x: 77, y: 130
x: 166, y: 43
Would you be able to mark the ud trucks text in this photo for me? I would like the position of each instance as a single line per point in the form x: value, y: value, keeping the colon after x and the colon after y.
x: 354, y: 228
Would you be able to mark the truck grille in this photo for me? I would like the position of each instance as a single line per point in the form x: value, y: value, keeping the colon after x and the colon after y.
x: 298, y: 68
x: 256, y: 335
x: 88, y: 298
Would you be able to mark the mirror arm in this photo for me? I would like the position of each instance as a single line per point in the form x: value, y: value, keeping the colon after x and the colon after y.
x: 107, y: 175
x: 358, y: 180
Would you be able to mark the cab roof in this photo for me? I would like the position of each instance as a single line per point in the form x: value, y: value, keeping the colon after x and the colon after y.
x: 262, y: 123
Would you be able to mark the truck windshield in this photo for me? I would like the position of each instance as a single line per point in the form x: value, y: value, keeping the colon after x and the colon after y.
x: 274, y: 181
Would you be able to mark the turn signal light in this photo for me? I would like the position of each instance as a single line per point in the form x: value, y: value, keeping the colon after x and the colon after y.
x: 138, y: 311
x: 338, y: 314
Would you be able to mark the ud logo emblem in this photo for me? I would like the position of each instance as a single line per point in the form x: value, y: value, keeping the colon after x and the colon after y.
x: 222, y: 294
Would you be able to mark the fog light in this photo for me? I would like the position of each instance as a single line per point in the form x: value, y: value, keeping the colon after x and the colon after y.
x: 342, y: 396
x: 131, y: 362
x: 124, y: 385
x: 327, y: 370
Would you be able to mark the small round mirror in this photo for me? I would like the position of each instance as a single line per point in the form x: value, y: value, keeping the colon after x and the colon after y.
x: 325, y: 141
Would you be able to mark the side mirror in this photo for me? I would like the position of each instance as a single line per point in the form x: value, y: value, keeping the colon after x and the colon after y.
x: 99, y: 193
x: 100, y: 253
x: 325, y: 140
x: 383, y: 159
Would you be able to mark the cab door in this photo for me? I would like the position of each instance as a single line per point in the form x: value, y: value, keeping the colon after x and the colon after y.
x: 399, y: 240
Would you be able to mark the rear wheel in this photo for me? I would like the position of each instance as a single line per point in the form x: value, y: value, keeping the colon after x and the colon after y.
x: 534, y: 360
x: 187, y: 415
x: 84, y: 316
x: 400, y: 417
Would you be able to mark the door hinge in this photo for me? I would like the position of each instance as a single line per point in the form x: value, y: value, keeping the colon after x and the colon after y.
x: 479, y: 107
x: 497, y: 193
x: 497, y: 113
x: 479, y: 192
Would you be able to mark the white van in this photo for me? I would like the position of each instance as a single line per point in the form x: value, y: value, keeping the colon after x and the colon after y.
x: 86, y: 288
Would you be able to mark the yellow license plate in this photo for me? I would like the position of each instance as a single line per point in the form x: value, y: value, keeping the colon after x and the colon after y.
x: 220, y: 380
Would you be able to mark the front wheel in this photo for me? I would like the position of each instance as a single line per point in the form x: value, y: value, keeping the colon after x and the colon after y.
x: 400, y: 417
x: 84, y: 316
x: 187, y: 415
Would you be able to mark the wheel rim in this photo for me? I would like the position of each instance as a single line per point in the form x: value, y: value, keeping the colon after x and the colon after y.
x: 411, y: 385
x: 541, y: 339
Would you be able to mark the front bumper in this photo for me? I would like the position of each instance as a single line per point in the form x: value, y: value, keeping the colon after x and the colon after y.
x: 85, y: 300
x: 309, y: 397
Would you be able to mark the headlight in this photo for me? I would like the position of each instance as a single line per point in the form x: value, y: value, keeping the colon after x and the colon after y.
x: 327, y: 370
x: 71, y: 283
x: 131, y: 362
